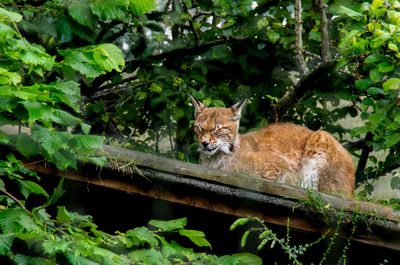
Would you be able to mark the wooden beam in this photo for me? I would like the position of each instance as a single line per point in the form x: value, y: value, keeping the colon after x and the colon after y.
x: 124, y: 156
x: 220, y: 191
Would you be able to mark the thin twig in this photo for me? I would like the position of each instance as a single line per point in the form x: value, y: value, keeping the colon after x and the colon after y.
x: 16, y: 200
x: 117, y: 89
x: 305, y: 84
x: 311, y: 54
x: 32, y: 7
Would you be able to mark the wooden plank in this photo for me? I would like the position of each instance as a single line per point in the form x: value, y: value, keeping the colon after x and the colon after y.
x: 199, y: 193
x: 122, y: 156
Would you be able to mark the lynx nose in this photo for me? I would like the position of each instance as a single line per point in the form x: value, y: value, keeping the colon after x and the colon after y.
x: 204, y: 144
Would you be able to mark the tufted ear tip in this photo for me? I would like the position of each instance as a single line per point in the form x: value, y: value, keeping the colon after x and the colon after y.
x: 198, y: 106
x: 237, y: 109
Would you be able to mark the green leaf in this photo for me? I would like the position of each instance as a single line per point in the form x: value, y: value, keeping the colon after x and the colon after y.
x: 27, y: 187
x: 58, y: 245
x: 394, y: 17
x: 64, y: 29
x: 15, y: 220
x: 247, y: 259
x: 350, y: 13
x: 63, y: 216
x: 147, y: 256
x: 88, y: 142
x: 314, y: 36
x: 391, y: 140
x: 393, y: 47
x: 80, y: 11
x: 155, y: 88
x: 57, y: 194
x: 66, y: 92
x: 188, y: 3
x: 377, y: 4
x: 109, y: 10
x: 244, y: 238
x: 368, y: 102
x: 375, y: 75
x: 6, y: 32
x: 63, y: 159
x: 385, y: 67
x: 229, y: 24
x: 395, y: 183
x: 34, y: 54
x: 109, y: 57
x: 82, y: 63
x: 376, y: 58
x: 375, y: 91
x: 262, y: 23
x: 68, y: 87
x: 363, y: 84
x: 218, y: 103
x: 50, y: 141
x: 26, y: 145
x: 11, y: 16
x: 391, y: 84
x: 35, y: 109
x: 140, y: 7
x: 13, y: 78
x: 140, y: 236
x: 239, y: 222
x: 98, y: 160
x: 197, y: 237
x: 28, y: 260
x: 167, y: 226
x: 6, y: 241
x: 273, y: 36
x: 154, y: 26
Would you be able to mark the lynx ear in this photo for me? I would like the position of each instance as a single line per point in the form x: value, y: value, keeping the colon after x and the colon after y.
x: 237, y: 109
x: 198, y: 106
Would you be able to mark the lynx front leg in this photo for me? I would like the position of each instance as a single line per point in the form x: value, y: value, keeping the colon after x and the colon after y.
x: 311, y: 170
x: 314, y: 162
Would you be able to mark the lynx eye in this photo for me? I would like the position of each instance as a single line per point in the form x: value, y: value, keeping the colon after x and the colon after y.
x: 217, y: 127
x: 197, y: 129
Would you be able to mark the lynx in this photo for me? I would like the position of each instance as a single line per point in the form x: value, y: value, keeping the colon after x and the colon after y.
x: 282, y: 152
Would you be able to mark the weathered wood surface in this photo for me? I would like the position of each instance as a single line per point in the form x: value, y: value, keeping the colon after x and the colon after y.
x: 221, y: 191
x: 246, y: 182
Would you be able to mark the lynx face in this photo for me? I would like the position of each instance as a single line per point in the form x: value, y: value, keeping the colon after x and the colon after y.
x: 216, y: 128
x: 215, y: 135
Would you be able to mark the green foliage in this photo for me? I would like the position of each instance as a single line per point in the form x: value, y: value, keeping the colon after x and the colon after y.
x: 49, y: 108
x: 371, y: 51
x: 139, y: 92
x: 126, y: 68
x: 267, y: 236
x: 77, y: 238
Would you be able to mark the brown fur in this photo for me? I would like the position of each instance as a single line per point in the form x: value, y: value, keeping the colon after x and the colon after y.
x: 281, y: 152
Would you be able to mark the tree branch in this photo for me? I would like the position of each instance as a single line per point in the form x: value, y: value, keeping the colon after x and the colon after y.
x: 299, y: 38
x: 195, y: 35
x: 16, y: 200
x: 362, y: 162
x: 118, y: 88
x: 321, y: 6
x: 193, y: 50
x: 305, y: 84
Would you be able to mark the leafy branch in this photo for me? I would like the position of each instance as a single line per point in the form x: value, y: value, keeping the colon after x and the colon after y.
x: 266, y: 236
x: 78, y: 240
